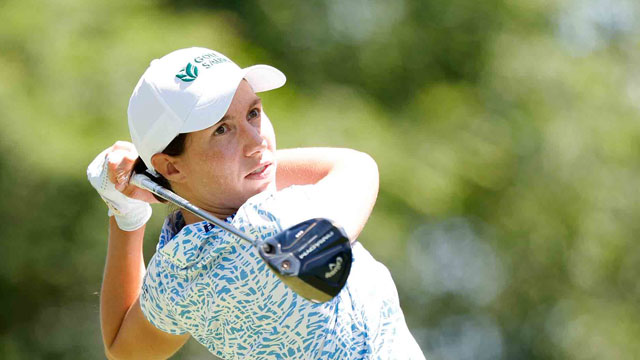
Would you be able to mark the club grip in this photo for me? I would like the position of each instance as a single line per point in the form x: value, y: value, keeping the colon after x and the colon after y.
x: 143, y: 182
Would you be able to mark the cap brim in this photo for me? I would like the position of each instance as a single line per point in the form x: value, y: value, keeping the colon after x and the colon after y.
x: 264, y: 77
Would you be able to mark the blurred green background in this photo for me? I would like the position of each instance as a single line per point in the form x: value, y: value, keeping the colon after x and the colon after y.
x: 506, y: 133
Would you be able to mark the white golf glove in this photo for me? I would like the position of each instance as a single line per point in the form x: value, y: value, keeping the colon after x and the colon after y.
x: 130, y: 214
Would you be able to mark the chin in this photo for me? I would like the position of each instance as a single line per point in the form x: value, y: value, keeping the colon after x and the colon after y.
x: 267, y: 185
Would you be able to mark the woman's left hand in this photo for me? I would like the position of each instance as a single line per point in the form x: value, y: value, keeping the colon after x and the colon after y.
x: 109, y: 174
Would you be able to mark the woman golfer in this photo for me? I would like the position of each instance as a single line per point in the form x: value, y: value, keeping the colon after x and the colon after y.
x: 199, y: 127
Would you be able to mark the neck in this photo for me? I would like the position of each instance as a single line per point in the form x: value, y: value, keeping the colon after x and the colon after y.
x: 220, y: 212
x: 214, y: 209
x: 190, y: 218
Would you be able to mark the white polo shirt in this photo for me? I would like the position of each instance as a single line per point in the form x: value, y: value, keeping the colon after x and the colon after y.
x: 208, y: 283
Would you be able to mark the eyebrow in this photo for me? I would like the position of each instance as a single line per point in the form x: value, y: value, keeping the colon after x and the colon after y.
x: 257, y: 100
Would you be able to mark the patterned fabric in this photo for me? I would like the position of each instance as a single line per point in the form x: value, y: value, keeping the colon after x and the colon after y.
x: 207, y: 282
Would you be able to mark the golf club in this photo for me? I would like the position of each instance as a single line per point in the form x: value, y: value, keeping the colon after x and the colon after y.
x: 313, y: 257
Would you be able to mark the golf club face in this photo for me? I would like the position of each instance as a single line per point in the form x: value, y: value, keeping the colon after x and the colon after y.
x: 313, y: 258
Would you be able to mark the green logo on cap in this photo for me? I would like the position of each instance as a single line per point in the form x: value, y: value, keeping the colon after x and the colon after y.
x: 188, y: 73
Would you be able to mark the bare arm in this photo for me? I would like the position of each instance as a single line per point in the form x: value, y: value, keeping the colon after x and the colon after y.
x: 347, y: 182
x: 126, y: 333
x: 301, y: 166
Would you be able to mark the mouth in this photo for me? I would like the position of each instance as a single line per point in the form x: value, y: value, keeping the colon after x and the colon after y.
x: 261, y: 172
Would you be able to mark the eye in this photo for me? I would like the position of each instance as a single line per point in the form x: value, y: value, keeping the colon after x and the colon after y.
x: 221, y: 130
x: 254, y: 114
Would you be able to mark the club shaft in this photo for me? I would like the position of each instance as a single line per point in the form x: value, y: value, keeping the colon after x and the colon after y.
x: 143, y: 182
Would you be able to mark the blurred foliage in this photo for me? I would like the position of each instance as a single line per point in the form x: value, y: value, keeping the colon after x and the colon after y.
x: 506, y: 133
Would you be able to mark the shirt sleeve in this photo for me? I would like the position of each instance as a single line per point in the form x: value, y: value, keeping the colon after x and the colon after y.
x: 154, y: 303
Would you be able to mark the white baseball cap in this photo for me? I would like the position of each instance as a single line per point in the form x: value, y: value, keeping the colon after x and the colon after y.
x: 185, y: 91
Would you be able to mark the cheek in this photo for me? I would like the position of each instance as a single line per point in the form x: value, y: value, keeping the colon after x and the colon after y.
x: 207, y: 166
x: 219, y: 165
x: 215, y: 180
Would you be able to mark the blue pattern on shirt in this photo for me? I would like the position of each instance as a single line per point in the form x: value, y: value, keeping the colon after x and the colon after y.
x: 205, y: 281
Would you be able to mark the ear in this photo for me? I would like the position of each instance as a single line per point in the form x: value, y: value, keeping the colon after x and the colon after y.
x: 168, y: 166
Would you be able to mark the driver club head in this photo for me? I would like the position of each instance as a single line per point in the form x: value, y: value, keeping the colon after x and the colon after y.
x: 313, y: 258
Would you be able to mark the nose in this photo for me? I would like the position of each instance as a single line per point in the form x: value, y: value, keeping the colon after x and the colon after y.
x: 254, y: 142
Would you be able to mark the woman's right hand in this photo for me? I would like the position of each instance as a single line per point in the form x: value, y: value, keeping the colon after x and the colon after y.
x: 109, y: 174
